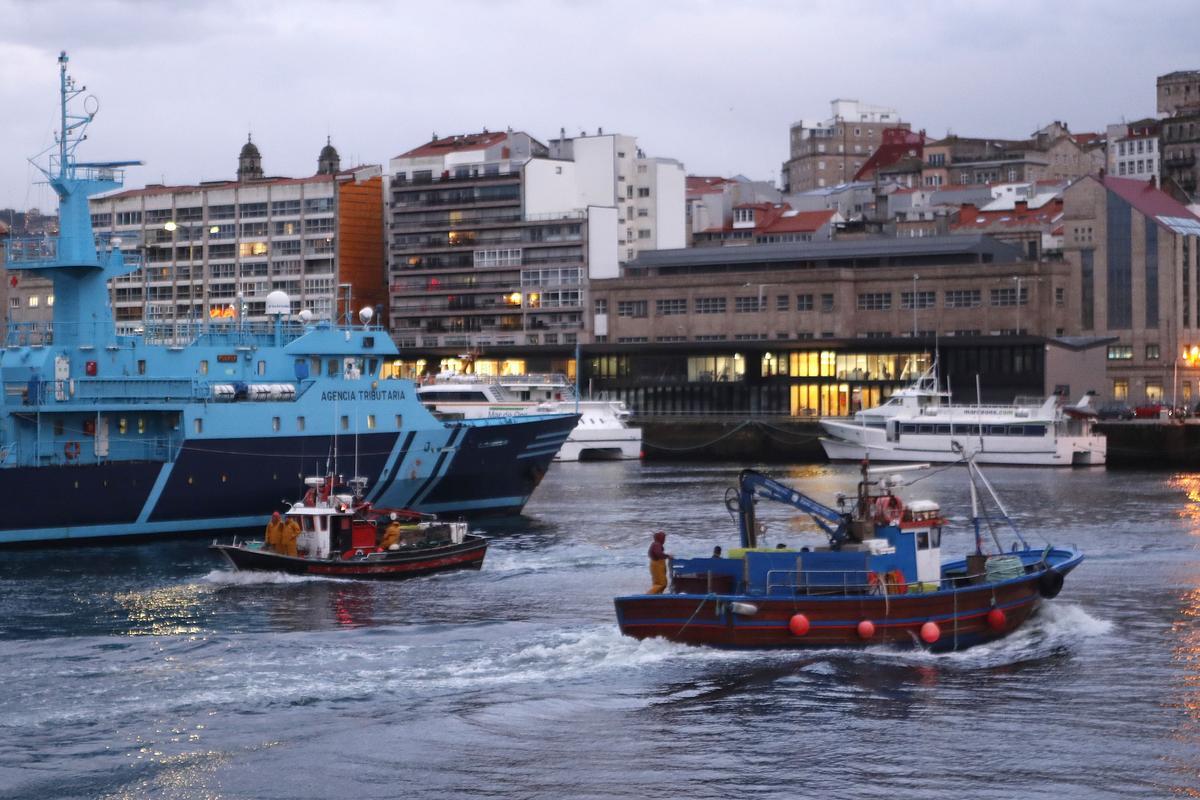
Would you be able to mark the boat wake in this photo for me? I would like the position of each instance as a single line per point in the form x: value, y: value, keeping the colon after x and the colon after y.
x: 224, y: 577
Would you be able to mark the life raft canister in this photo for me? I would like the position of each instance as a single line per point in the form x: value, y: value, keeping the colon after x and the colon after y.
x: 889, y: 509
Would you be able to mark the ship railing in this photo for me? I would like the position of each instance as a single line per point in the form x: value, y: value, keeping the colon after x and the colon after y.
x: 28, y: 251
x: 816, y: 582
x: 105, y: 390
x: 555, y: 379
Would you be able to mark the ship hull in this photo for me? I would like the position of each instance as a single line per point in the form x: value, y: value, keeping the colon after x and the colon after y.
x: 220, y: 484
x: 383, y: 566
x: 961, y: 616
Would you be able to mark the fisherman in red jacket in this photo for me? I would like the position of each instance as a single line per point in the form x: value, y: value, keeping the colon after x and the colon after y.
x: 658, y: 563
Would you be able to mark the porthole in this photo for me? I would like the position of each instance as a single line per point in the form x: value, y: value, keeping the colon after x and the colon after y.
x: 189, y: 480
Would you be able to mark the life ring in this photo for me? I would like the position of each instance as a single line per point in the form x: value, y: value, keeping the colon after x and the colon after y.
x: 896, y: 582
x: 71, y: 450
x: 889, y: 509
x: 1050, y: 583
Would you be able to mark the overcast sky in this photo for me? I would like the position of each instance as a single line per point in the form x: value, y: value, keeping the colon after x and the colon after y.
x: 713, y: 84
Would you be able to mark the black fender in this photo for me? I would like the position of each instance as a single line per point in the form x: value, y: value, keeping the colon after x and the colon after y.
x: 1050, y: 583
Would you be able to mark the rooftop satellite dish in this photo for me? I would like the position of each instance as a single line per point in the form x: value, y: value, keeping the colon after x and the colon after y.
x: 278, y: 302
x: 366, y: 314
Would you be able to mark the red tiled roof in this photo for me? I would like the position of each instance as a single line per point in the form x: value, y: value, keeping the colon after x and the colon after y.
x: 700, y: 184
x: 800, y: 222
x: 450, y: 144
x: 1147, y: 198
x: 971, y: 218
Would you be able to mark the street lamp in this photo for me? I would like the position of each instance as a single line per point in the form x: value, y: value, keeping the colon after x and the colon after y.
x: 916, y: 278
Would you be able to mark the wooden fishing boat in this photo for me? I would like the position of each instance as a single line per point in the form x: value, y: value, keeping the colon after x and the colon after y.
x: 342, y: 535
x: 880, y: 580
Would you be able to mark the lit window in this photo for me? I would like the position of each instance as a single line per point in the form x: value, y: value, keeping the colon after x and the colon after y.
x: 33, y: 301
x: 370, y: 421
x: 275, y: 423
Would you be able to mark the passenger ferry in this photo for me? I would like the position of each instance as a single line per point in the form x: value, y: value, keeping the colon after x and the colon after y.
x: 603, y: 432
x: 919, y: 423
x: 108, y: 435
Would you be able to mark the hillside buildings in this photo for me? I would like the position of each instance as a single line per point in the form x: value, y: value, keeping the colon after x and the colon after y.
x: 832, y: 152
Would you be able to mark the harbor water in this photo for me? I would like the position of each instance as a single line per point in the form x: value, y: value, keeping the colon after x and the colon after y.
x: 151, y: 670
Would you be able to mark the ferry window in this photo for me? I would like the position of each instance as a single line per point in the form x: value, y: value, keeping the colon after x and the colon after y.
x: 943, y: 428
x: 922, y: 540
x: 333, y: 368
x: 141, y: 366
x: 274, y: 423
x: 141, y: 424
x: 345, y: 423
x: 926, y: 428
x: 122, y: 425
x: 935, y: 537
x: 996, y: 430
x: 370, y: 421
x: 399, y: 421
x: 199, y: 425
x: 1035, y: 430
x: 262, y: 367
x: 204, y: 367
x: 372, y: 366
x: 316, y: 366
x: 908, y: 428
x: 299, y: 423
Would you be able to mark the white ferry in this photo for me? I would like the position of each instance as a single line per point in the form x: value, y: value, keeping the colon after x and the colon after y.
x: 602, y: 433
x: 920, y: 423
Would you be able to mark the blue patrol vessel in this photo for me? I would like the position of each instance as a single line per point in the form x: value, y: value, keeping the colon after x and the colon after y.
x: 105, y: 435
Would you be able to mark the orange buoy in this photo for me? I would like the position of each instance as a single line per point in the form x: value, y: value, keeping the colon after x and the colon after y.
x: 866, y: 629
x: 798, y: 625
x: 930, y: 632
x: 996, y: 619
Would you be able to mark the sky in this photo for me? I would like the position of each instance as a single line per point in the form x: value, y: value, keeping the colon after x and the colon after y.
x: 715, y: 84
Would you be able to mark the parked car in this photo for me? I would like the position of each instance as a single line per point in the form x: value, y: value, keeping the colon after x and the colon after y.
x: 1149, y: 411
x: 1114, y: 411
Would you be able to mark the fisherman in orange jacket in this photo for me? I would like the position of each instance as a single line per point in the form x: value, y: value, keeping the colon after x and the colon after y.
x: 658, y: 563
x: 288, y: 537
x: 273, y: 539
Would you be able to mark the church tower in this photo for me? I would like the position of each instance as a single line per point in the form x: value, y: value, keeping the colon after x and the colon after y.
x: 328, y: 162
x: 249, y: 163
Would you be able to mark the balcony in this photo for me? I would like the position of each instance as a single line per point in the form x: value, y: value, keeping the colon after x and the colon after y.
x: 1179, y: 161
x: 511, y: 171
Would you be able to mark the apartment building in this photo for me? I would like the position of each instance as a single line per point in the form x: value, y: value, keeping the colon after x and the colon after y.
x: 217, y: 249
x: 1178, y: 92
x: 834, y: 151
x: 1051, y: 153
x: 711, y: 200
x: 1133, y: 150
x: 494, y: 236
x: 1133, y: 253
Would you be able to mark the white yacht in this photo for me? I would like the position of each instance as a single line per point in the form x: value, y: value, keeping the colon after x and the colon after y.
x: 603, y: 432
x: 920, y: 423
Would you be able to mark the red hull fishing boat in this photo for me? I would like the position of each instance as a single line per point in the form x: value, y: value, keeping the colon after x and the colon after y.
x: 879, y: 580
x: 337, y: 533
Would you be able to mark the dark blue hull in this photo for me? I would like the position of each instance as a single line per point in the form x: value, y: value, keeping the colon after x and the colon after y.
x: 216, y: 484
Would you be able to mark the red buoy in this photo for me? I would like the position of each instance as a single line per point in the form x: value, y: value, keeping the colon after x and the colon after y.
x: 798, y: 625
x: 996, y: 619
x: 930, y: 632
x: 866, y: 629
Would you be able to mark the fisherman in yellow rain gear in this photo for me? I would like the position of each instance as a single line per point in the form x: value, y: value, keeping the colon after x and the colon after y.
x: 391, y: 536
x: 658, y: 563
x: 273, y: 540
x: 288, y: 537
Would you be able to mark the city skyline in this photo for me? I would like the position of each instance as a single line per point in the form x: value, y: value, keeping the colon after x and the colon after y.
x: 714, y: 85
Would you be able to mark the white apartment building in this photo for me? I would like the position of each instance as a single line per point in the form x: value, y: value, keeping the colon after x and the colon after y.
x: 831, y: 152
x: 1133, y: 150
x: 493, y: 236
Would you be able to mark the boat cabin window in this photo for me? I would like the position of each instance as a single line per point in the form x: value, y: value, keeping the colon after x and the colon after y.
x: 922, y: 540
x: 262, y: 367
x: 299, y: 423
x: 345, y: 423
x: 455, y: 397
x: 316, y: 366
x: 204, y: 367
x: 333, y: 368
x: 370, y: 421
x: 372, y: 366
x: 198, y: 425
x: 399, y: 421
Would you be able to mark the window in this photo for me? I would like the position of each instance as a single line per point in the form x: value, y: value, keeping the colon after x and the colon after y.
x: 345, y: 423
x: 252, y: 210
x: 782, y: 302
x: 804, y: 302
x: 827, y: 304
x: 600, y: 305
x: 746, y: 305
x: 710, y: 305
x: 275, y: 423
x: 665, y: 308
x: 370, y: 421
x: 643, y: 191
x: 281, y: 208
x: 632, y: 308
x: 316, y: 205
x: 198, y: 425
x: 964, y: 298
x: 1007, y: 296
x: 33, y: 301
x: 643, y: 233
x: 1152, y: 352
x: 1060, y: 296
x: 1120, y: 352
x: 916, y: 300
x: 129, y: 218
x: 875, y: 301
x: 299, y: 423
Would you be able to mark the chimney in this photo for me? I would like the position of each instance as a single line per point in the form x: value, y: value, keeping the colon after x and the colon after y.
x: 1021, y: 206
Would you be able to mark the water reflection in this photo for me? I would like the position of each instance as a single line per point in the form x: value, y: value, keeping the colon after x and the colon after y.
x: 1189, y: 484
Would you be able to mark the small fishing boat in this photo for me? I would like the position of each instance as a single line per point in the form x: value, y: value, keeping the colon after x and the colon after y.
x: 879, y: 580
x: 340, y: 534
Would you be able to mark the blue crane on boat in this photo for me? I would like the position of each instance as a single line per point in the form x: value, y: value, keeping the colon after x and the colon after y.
x: 753, y: 485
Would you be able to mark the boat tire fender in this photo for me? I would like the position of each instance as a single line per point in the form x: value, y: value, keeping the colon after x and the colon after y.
x: 1050, y: 583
